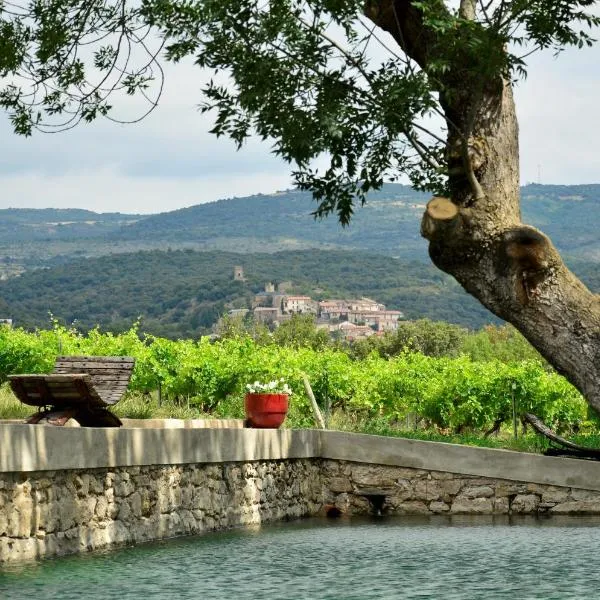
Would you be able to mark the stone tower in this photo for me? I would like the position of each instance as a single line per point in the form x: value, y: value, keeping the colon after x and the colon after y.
x: 238, y: 273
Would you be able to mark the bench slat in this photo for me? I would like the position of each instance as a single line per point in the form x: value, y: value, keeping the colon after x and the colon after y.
x: 37, y: 390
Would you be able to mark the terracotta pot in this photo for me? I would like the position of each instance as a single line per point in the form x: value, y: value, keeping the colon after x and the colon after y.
x: 265, y: 411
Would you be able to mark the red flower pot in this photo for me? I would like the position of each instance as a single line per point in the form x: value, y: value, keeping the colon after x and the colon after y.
x: 265, y: 411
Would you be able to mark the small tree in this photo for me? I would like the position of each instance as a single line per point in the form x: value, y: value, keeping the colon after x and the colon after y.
x: 358, y: 86
x: 301, y: 331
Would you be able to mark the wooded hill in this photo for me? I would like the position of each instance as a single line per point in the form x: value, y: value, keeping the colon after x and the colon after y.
x: 388, y: 224
x: 182, y: 293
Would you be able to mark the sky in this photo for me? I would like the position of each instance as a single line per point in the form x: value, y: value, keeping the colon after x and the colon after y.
x: 170, y: 160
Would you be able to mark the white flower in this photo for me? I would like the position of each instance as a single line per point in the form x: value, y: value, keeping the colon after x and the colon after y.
x: 277, y: 386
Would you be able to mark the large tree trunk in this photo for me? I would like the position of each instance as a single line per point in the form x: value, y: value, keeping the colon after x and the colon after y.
x: 477, y: 236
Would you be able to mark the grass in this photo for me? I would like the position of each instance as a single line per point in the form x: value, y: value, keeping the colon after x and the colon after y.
x: 381, y: 426
x: 140, y: 406
x: 10, y: 407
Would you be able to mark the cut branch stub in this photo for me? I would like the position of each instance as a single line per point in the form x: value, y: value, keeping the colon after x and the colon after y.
x: 440, y: 215
x: 529, y: 256
x: 442, y: 209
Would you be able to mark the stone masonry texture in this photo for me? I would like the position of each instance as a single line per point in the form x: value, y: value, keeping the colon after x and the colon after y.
x: 350, y: 488
x: 52, y: 513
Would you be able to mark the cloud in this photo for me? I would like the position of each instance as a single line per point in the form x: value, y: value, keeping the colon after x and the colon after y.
x: 169, y: 160
x: 108, y: 190
x: 558, y: 118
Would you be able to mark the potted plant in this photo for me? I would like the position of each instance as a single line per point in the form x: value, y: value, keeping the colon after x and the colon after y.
x: 266, y: 404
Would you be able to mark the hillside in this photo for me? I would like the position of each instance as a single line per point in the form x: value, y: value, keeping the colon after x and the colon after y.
x: 30, y: 224
x: 181, y: 293
x: 388, y: 224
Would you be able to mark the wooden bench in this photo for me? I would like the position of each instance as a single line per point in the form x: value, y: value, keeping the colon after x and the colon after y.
x: 80, y: 387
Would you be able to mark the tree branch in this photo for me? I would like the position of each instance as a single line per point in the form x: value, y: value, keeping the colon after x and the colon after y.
x: 405, y: 23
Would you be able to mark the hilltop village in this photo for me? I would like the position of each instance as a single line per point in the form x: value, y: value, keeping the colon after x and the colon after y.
x: 348, y: 319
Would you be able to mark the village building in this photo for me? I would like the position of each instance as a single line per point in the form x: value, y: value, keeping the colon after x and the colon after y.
x: 266, y: 314
x: 365, y: 305
x: 266, y: 297
x: 378, y: 320
x: 350, y: 332
x: 349, y: 319
x: 300, y: 304
x: 333, y: 310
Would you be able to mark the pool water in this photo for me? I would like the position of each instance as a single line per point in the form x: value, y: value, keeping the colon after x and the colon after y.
x: 402, y: 557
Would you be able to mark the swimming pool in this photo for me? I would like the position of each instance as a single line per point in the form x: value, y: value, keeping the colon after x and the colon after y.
x: 441, y: 557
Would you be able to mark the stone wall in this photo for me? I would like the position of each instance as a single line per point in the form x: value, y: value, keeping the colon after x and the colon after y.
x: 68, y: 490
x: 358, y: 488
x: 62, y: 512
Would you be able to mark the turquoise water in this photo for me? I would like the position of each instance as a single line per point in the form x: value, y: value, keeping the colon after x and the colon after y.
x: 441, y: 558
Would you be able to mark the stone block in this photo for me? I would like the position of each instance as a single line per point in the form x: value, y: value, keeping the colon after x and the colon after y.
x: 112, y: 510
x: 202, y: 498
x: 339, y: 484
x: 442, y: 475
x: 187, y: 496
x: 479, y: 491
x: 20, y: 517
x: 501, y: 505
x: 579, y: 494
x: 124, y: 488
x: 525, y: 503
x: 438, y: 507
x: 577, y: 507
x: 3, y: 522
x: 135, y: 504
x: 555, y: 495
x: 507, y: 488
x: 101, y: 507
x: 143, y: 480
x: 374, y: 476
x: 462, y: 505
x: 251, y: 493
x: 82, y: 484
x: 117, y: 532
x: 87, y: 509
x: 412, y: 507
x: 450, y: 488
x: 427, y: 489
x: 124, y: 513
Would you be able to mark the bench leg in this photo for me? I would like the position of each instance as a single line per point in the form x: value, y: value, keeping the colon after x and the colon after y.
x: 99, y: 417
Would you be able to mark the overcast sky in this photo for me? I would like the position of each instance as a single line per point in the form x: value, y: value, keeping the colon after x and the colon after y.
x: 170, y: 161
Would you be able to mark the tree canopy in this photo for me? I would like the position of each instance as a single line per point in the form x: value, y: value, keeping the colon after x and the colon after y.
x: 322, y: 79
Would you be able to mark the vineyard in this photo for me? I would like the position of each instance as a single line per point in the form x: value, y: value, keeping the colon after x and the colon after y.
x: 447, y: 394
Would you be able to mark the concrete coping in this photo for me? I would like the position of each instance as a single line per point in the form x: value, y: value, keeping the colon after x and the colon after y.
x: 26, y: 448
x: 160, y: 423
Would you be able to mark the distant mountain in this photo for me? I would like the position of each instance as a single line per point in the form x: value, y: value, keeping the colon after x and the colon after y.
x: 388, y: 224
x: 29, y: 224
